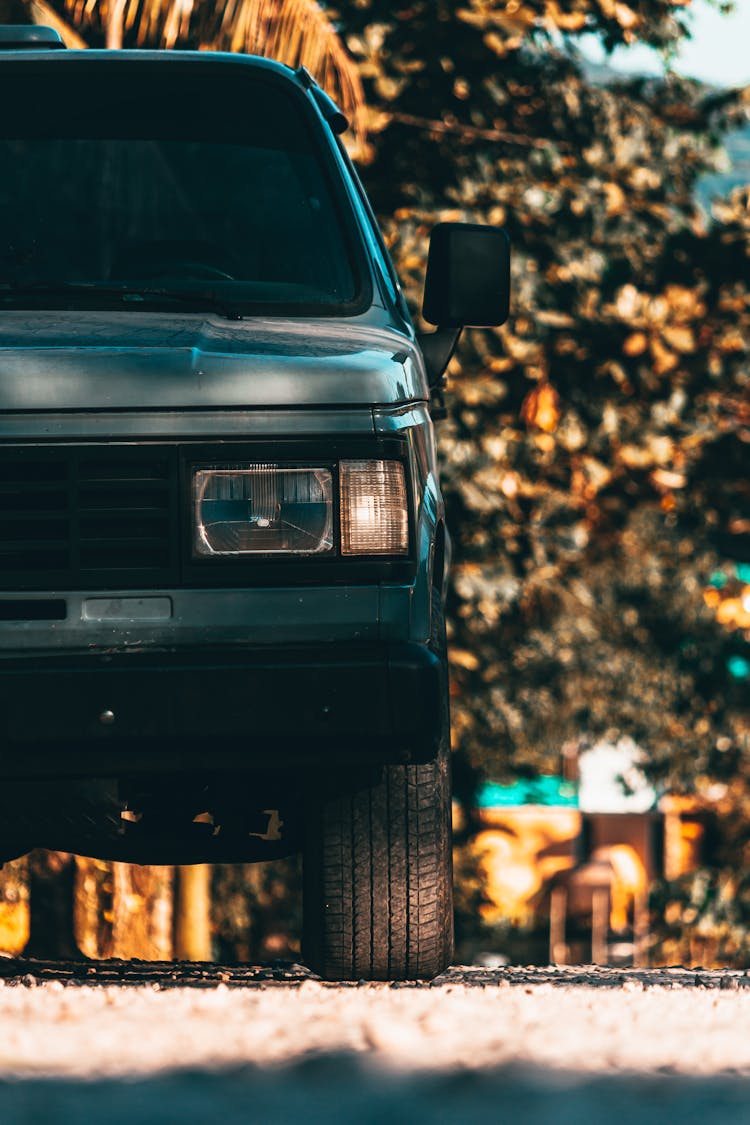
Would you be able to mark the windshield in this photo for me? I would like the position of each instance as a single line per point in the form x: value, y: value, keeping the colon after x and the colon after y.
x: 188, y: 180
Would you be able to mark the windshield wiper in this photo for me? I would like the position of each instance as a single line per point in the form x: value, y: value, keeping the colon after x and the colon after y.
x: 199, y: 300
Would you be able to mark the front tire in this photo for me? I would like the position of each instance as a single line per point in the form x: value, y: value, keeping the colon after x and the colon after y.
x: 378, y: 879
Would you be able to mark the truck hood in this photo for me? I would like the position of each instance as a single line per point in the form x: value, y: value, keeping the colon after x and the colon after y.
x: 61, y: 361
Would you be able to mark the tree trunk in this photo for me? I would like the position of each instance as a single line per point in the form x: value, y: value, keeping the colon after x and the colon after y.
x: 93, y: 907
x: 123, y: 910
x: 192, y: 913
x: 14, y: 906
x: 142, y: 912
x: 51, y: 893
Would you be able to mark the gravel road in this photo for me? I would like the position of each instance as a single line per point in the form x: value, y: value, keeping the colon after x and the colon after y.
x: 156, y: 1044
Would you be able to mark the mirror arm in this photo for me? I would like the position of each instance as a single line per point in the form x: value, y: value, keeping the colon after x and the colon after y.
x: 437, y: 349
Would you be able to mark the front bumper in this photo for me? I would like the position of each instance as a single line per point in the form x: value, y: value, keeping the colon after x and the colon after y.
x: 244, y: 709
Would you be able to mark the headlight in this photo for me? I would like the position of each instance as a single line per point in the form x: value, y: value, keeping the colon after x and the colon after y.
x: 374, y: 512
x: 271, y: 509
x: 262, y: 509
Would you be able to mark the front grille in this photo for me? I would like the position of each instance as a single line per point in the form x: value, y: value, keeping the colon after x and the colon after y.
x: 114, y: 516
x: 73, y: 518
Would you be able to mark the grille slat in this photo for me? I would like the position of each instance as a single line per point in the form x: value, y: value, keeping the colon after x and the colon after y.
x: 20, y: 546
x: 136, y: 542
x: 34, y: 502
x: 70, y: 519
x: 26, y: 516
x: 43, y: 487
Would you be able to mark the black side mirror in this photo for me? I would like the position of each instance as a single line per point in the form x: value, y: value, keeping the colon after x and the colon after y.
x: 468, y: 276
x: 467, y: 283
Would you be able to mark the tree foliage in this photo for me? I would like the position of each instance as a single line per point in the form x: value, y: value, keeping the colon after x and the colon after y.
x: 597, y: 447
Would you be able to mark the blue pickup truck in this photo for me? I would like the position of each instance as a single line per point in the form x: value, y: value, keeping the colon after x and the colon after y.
x: 223, y: 551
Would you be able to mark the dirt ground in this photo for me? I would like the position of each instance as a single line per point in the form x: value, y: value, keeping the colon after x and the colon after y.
x: 121, y: 1044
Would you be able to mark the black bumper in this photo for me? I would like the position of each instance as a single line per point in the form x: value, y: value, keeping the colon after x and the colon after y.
x: 133, y: 713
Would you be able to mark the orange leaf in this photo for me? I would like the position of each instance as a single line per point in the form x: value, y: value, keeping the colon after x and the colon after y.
x: 541, y: 408
x: 635, y: 344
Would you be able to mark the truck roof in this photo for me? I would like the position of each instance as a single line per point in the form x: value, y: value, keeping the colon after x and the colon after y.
x: 38, y: 42
x: 20, y: 37
x: 34, y: 42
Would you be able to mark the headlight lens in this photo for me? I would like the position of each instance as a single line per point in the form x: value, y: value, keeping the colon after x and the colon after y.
x: 262, y: 509
x: 374, y: 512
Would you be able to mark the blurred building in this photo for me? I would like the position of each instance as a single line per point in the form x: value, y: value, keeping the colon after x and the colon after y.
x: 575, y: 856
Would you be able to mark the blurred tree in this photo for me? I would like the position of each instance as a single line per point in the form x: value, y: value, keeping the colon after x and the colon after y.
x: 597, y: 447
x: 50, y: 882
x: 120, y: 909
x: 257, y: 910
x: 14, y: 906
x: 192, y: 913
